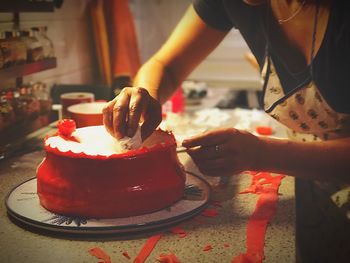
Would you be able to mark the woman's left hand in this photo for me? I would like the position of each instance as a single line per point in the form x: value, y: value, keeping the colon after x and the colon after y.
x: 224, y: 151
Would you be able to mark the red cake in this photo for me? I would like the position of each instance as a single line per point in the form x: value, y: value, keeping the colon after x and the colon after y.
x: 83, y: 174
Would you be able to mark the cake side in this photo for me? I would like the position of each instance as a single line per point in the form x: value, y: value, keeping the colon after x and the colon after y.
x: 78, y: 183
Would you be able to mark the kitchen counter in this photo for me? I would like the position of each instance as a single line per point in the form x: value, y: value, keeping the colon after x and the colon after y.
x: 226, y: 233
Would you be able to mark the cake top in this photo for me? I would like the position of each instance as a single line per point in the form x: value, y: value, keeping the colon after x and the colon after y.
x: 96, y: 141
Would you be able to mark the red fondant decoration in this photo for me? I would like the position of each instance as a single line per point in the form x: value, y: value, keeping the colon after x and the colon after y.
x: 266, y: 185
x: 66, y: 127
x: 120, y: 185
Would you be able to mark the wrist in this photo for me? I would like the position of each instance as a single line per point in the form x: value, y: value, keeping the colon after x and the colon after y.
x: 270, y: 154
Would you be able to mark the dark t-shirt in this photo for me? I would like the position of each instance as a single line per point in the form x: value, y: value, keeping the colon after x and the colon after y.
x: 331, y: 64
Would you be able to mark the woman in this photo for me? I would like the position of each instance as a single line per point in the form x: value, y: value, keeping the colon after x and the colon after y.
x: 303, y: 49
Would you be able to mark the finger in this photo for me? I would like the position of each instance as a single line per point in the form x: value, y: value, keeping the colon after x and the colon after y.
x: 107, y: 120
x: 209, y: 138
x: 120, y: 113
x: 107, y: 112
x: 138, y: 103
x: 152, y: 118
x: 207, y: 152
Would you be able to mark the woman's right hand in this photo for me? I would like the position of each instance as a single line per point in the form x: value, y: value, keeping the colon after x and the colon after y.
x: 132, y: 106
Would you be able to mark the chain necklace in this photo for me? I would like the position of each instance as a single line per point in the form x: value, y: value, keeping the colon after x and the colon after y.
x: 281, y: 21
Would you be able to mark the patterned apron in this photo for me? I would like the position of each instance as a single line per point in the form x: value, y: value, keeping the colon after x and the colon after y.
x: 323, y: 209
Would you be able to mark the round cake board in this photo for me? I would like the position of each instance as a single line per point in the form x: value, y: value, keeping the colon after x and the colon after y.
x: 23, y: 205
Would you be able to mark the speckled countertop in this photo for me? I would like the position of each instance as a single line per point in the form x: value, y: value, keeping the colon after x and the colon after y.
x: 226, y: 232
x: 27, y: 245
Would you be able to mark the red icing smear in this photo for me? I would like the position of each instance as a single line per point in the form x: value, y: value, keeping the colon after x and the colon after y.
x: 168, y: 258
x: 207, y: 248
x: 147, y: 249
x: 265, y: 185
x: 100, y: 254
x: 126, y: 254
x: 179, y: 231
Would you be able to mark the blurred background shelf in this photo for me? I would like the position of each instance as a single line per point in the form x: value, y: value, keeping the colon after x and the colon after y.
x: 26, y: 6
x: 27, y: 69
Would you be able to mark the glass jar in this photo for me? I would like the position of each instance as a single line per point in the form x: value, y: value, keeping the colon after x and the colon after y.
x: 48, y: 48
x: 6, y: 50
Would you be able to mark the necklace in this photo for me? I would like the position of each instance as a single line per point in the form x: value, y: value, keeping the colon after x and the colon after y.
x: 281, y: 21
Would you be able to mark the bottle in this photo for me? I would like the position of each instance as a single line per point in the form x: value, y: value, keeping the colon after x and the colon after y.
x: 7, y: 115
x: 48, y: 48
x: 41, y: 93
x: 6, y: 49
x: 176, y: 103
x: 35, y: 48
x: 20, y: 49
x: 1, y: 59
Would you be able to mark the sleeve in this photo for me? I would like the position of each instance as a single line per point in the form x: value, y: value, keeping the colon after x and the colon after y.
x: 213, y: 13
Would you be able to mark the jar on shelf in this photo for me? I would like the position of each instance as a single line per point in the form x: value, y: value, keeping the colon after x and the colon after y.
x: 33, y: 46
x: 18, y: 53
x: 29, y: 103
x: 6, y: 50
x: 37, y: 45
x: 7, y: 114
x: 42, y: 94
x: 1, y: 59
x: 48, y: 48
x: 20, y: 48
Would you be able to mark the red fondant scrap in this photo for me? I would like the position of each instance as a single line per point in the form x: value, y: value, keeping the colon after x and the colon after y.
x: 147, y: 248
x: 126, y: 254
x: 179, y: 231
x: 266, y: 186
x: 212, y: 212
x: 207, y: 248
x: 100, y: 254
x: 264, y: 130
x: 168, y: 258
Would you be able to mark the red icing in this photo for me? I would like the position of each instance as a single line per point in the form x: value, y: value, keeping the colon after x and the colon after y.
x: 100, y: 254
x: 266, y: 185
x: 120, y: 185
x: 147, y: 249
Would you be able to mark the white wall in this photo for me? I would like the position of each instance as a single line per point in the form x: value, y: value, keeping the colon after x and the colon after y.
x: 68, y: 29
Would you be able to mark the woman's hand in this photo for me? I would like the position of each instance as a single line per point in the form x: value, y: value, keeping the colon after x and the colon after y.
x: 224, y: 151
x: 123, y: 114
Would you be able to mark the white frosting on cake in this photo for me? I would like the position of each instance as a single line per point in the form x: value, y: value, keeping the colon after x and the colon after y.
x: 95, y: 140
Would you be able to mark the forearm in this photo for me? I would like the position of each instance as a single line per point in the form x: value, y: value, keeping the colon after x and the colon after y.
x: 328, y: 160
x: 157, y: 79
x: 190, y: 43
